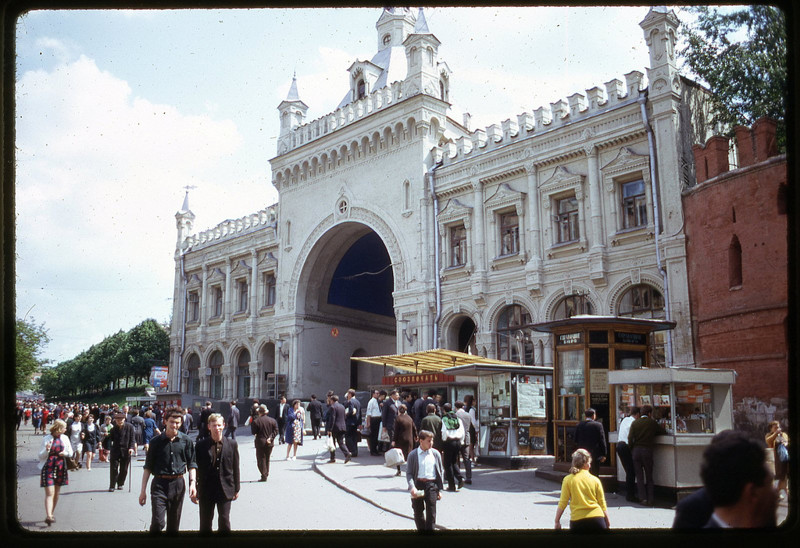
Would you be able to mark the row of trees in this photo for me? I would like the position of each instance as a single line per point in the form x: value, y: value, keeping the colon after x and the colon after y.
x: 30, y: 342
x: 120, y: 360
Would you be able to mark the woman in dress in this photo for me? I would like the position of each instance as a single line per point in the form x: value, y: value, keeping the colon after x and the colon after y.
x: 75, y: 433
x: 105, y: 429
x: 584, y: 494
x: 55, y: 448
x: 150, y: 429
x: 405, y: 433
x: 295, y: 419
x: 37, y: 419
x: 774, y: 438
x: 91, y: 437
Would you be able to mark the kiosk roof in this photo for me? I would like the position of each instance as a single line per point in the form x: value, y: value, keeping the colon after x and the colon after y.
x: 430, y: 360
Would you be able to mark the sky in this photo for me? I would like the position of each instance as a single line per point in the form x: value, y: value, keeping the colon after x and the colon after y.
x: 118, y: 111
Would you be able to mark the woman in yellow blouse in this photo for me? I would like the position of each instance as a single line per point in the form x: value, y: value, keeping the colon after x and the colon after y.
x: 776, y: 437
x: 584, y: 494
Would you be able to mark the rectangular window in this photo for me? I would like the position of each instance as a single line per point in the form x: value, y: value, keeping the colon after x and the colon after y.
x: 458, y: 246
x: 193, y: 313
x: 216, y: 302
x: 634, y: 205
x: 509, y: 234
x: 269, y: 289
x: 241, y: 290
x: 566, y: 220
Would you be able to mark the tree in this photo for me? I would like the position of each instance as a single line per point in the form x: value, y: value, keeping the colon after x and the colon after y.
x: 31, y: 340
x: 748, y: 76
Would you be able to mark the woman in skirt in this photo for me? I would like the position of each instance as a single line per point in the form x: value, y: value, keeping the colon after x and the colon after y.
x: 55, y: 448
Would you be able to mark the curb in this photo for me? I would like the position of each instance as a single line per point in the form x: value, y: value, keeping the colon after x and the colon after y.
x: 343, y: 487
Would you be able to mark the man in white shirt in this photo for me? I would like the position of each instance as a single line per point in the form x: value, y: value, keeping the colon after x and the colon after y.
x: 625, y: 455
x: 374, y: 421
x: 424, y: 473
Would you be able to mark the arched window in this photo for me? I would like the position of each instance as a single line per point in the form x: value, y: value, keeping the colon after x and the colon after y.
x: 193, y: 367
x: 735, y: 264
x: 514, y: 335
x: 572, y: 305
x: 243, y: 375
x: 361, y: 89
x: 215, y: 386
x: 645, y: 301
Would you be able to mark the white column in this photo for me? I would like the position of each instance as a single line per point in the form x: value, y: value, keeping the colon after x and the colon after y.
x: 597, y: 238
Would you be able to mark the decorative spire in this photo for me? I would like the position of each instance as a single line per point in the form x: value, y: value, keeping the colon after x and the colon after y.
x: 185, y: 206
x: 293, y: 95
x: 421, y: 26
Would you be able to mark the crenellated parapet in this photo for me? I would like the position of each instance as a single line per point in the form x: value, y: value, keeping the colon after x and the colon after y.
x: 341, y: 117
x: 232, y: 228
x: 560, y: 113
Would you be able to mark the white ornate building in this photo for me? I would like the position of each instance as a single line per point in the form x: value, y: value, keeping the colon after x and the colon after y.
x: 399, y: 228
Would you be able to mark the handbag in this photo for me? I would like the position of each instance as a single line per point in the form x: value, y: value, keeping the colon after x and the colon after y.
x: 72, y: 463
x: 394, y: 457
x: 329, y: 444
x: 384, y: 434
x: 782, y: 452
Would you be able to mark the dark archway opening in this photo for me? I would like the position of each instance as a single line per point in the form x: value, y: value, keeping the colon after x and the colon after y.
x: 363, y: 279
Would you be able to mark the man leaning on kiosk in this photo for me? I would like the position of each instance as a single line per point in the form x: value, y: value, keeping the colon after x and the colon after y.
x: 170, y: 456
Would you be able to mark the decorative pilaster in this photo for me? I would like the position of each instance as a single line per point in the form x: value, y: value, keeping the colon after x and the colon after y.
x: 533, y: 268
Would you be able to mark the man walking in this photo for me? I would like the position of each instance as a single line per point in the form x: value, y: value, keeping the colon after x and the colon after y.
x: 121, y: 442
x: 642, y: 439
x: 420, y: 409
x: 202, y: 427
x: 283, y: 414
x: 217, y: 476
x: 352, y: 421
x: 433, y: 423
x: 424, y: 474
x: 188, y: 421
x: 233, y: 421
x: 170, y: 456
x: 589, y: 435
x: 374, y: 421
x: 265, y: 429
x: 389, y: 412
x: 624, y: 453
x: 463, y: 451
x: 315, y: 413
x: 455, y: 436
x: 338, y: 427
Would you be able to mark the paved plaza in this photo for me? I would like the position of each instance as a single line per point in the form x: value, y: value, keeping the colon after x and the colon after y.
x: 309, y: 494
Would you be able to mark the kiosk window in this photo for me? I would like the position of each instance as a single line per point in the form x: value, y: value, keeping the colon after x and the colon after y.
x: 571, y: 383
x: 694, y: 408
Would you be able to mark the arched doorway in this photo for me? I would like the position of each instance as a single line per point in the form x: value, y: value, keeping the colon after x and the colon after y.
x: 345, y: 302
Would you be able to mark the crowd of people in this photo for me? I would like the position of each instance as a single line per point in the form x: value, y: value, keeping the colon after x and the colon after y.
x: 433, y: 437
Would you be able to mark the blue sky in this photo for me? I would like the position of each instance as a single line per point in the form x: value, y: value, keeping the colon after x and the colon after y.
x: 118, y: 110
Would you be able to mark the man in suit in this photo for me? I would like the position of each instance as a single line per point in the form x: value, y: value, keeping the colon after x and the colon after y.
x: 420, y: 409
x: 424, y: 473
x: 315, y: 413
x: 282, y: 415
x: 217, y: 476
x: 121, y: 440
x: 738, y: 482
x: 202, y: 428
x: 589, y: 435
x: 337, y: 427
x: 352, y: 420
x: 233, y: 421
x: 390, y: 411
x: 463, y: 451
x: 188, y: 421
x: 265, y: 429
x: 642, y: 441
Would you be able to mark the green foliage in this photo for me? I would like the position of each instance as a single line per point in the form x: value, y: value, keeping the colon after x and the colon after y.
x: 748, y: 76
x: 122, y: 356
x: 31, y: 340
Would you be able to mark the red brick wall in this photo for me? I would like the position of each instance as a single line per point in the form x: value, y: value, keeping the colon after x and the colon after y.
x: 741, y: 328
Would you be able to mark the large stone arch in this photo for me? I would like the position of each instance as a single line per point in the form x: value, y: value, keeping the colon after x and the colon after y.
x: 623, y: 285
x: 555, y: 297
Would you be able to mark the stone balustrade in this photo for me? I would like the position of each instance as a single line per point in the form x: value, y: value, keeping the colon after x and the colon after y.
x: 233, y: 227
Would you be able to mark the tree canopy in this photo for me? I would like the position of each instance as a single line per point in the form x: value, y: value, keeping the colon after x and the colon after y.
x: 30, y: 342
x: 125, y: 355
x: 741, y: 54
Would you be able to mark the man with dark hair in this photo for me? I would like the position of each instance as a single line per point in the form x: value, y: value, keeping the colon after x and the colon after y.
x: 170, y: 456
x: 624, y: 452
x: 389, y: 412
x: 420, y: 409
x: 352, y: 419
x: 233, y: 421
x: 337, y: 427
x: 121, y: 442
x: 281, y: 417
x: 315, y: 413
x: 433, y: 423
x: 590, y: 435
x: 738, y: 482
x: 202, y: 428
x: 455, y: 436
x: 463, y: 451
x: 642, y: 439
x: 424, y: 473
x: 217, y: 476
x: 265, y: 429
x: 374, y: 420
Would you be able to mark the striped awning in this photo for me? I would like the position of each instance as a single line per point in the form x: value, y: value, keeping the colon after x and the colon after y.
x: 430, y: 360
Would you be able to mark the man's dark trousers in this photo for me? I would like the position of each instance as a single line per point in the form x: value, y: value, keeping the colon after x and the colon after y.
x: 425, y: 504
x: 372, y: 439
x: 119, y: 469
x: 315, y: 424
x: 215, y: 498
x: 230, y: 432
x: 450, y: 460
x: 340, y: 441
x: 643, y: 465
x: 351, y: 439
x: 626, y: 458
x: 166, y: 499
x: 263, y: 454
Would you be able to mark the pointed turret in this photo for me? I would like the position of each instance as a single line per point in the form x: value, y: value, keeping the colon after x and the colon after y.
x: 421, y: 25
x: 425, y: 73
x: 292, y: 112
x: 184, y: 220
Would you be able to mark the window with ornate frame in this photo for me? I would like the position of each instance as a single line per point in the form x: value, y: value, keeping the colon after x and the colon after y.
x: 514, y: 342
x: 193, y: 381
x: 215, y: 385
x: 458, y: 245
x: 645, y: 301
x: 270, y: 284
x: 509, y: 233
x: 566, y: 220
x: 572, y: 305
x: 242, y: 295
x: 243, y: 375
x: 217, y: 301
x: 193, y: 308
x: 634, y: 204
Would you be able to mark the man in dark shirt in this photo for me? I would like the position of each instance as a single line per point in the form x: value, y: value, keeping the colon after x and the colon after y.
x: 352, y: 421
x: 338, y: 427
x: 202, y: 427
x: 265, y: 430
x: 589, y: 435
x: 315, y: 412
x: 121, y: 442
x: 171, y: 454
x: 642, y: 440
x: 233, y: 421
x: 217, y: 476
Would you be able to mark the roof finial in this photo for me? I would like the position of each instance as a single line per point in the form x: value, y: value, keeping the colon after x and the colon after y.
x: 421, y: 25
x: 185, y: 206
x: 293, y: 94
